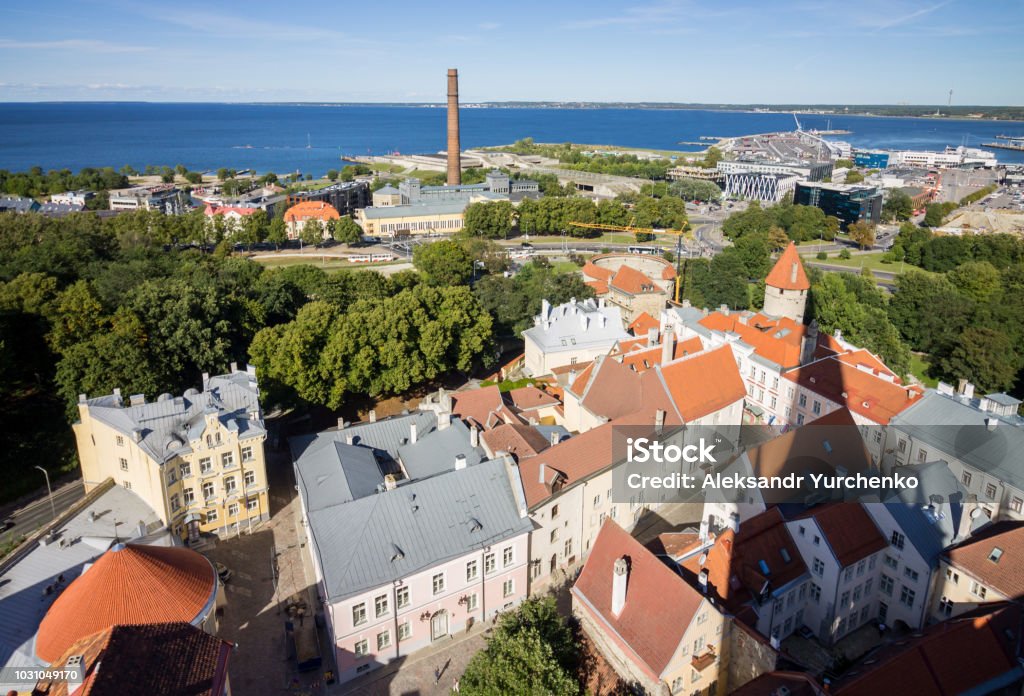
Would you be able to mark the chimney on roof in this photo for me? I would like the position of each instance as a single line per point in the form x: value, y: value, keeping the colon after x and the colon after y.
x: 600, y: 302
x: 620, y: 578
x: 474, y: 437
x: 584, y: 321
x: 702, y: 580
x: 668, y: 346
x: 444, y: 419
x: 372, y: 415
x: 540, y: 473
x: 652, y: 337
x: 412, y: 433
x: 545, y: 309
x: 74, y: 668
x: 341, y: 424
x: 390, y: 483
x: 234, y: 367
x: 969, y: 390
x: 961, y: 385
x: 659, y: 420
x: 206, y: 381
x: 137, y: 399
x: 460, y: 462
x: 554, y: 438
x: 991, y: 423
x: 141, y: 529
x: 724, y: 309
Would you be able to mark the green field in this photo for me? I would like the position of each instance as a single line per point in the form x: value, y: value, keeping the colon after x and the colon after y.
x: 872, y: 261
x: 328, y: 263
x: 919, y: 366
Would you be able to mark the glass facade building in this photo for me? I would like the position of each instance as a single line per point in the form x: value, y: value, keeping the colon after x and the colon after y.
x: 848, y: 203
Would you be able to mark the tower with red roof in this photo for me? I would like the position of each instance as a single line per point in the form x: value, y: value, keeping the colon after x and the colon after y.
x: 785, y: 288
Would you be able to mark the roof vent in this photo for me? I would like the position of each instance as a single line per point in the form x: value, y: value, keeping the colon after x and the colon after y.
x: 475, y: 525
x: 397, y: 554
x: 702, y: 560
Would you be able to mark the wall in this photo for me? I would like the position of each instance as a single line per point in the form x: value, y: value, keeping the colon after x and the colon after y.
x: 750, y: 656
x: 785, y: 303
x: 956, y: 585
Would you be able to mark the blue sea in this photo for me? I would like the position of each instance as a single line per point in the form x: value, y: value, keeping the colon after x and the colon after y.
x: 314, y: 138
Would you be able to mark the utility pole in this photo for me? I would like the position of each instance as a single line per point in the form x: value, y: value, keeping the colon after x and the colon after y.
x: 49, y: 491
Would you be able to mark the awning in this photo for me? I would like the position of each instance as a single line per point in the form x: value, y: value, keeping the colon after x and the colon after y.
x: 192, y: 517
x: 756, y: 410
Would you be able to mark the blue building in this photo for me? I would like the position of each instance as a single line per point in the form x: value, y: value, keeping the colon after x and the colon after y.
x: 849, y: 203
x: 871, y: 160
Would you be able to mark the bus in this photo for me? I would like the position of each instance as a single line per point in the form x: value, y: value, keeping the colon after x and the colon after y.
x: 648, y: 250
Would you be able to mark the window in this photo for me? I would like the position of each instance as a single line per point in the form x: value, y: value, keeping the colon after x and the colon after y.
x: 249, y: 478
x: 803, y: 530
x: 383, y: 639
x: 471, y: 570
x: 694, y: 676
x: 230, y: 485
x: 817, y: 540
x: 856, y: 594
x: 212, y: 515
x: 922, y: 455
x: 773, y: 402
x: 848, y: 575
x: 819, y: 567
x: 488, y: 564
x: 878, y: 436
x: 208, y: 490
x: 227, y: 460
x: 172, y: 476
x: 775, y: 383
x: 361, y: 648
x: 507, y: 588
x: 860, y: 568
x: 205, y: 465
x: 677, y: 685
x: 815, y: 592
x: 902, y: 445
x: 253, y: 504
x: 597, y: 500
x: 402, y: 597
x: 189, y: 496
x: 124, y: 464
x: 954, y: 577
x: 867, y: 586
x: 359, y: 614
x: 978, y: 590
x: 966, y: 478
x: 1015, y: 504
x: 946, y: 606
x: 120, y: 441
x: 907, y: 596
x: 380, y: 605
x: 844, y: 599
x: 871, y: 562
x: 816, y: 407
x: 886, y: 584
x: 506, y: 557
x: 186, y: 470
x: 799, y: 419
x: 803, y: 592
x: 891, y: 562
x: 910, y: 573
x: 554, y: 535
x: 990, y: 491
x: 175, y: 503
x: 471, y: 602
x: 554, y: 511
x: 568, y: 548
x: 438, y: 582
x: 404, y: 631
x: 698, y: 645
x: 803, y: 401
x: 247, y: 453
x: 897, y: 540
x: 233, y: 510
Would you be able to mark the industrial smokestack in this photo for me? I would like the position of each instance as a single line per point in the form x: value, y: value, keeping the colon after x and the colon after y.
x: 454, y: 163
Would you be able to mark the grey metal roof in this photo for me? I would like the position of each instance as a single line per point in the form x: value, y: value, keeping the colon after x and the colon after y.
x: 23, y: 598
x: 331, y: 471
x: 390, y: 434
x: 17, y: 204
x: 437, y: 451
x: 416, y: 209
x: 372, y: 541
x: 388, y: 190
x: 1003, y: 399
x: 955, y: 425
x: 547, y: 430
x: 167, y: 426
x: 562, y: 329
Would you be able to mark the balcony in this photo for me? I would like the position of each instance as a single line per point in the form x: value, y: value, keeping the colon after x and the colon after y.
x: 705, y: 659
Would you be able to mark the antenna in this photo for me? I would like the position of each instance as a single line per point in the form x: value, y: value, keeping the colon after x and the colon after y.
x: 950, y: 102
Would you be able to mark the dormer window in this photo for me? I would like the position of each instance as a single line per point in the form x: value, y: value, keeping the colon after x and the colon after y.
x: 996, y: 554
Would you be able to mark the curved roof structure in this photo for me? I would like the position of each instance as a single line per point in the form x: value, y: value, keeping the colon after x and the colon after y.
x: 129, y: 584
x: 788, y: 273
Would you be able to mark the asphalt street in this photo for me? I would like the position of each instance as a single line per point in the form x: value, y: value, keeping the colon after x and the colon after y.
x: 38, y: 513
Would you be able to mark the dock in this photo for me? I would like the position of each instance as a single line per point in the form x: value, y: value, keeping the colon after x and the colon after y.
x: 1018, y: 146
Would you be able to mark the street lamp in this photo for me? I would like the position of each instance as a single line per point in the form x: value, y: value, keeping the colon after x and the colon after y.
x: 49, y: 491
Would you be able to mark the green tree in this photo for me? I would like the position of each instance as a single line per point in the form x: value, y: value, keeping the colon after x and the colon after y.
x: 934, y: 214
x: 443, y: 263
x: 332, y: 174
x: 532, y: 650
x: 312, y: 232
x: 193, y: 177
x: 277, y: 232
x: 346, y: 230
x: 854, y: 177
x: 985, y: 356
x: 898, y: 206
x: 862, y: 233
x: 695, y: 189
x: 977, y: 280
x: 842, y: 163
x: 492, y: 219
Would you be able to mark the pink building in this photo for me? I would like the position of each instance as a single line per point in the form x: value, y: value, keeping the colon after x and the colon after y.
x: 413, y: 538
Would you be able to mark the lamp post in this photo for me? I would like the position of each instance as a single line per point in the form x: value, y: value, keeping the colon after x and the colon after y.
x: 49, y: 492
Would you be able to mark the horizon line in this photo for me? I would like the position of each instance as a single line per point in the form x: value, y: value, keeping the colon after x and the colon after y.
x: 719, y: 105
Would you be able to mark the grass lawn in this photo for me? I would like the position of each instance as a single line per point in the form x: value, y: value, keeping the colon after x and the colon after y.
x: 919, y: 366
x: 871, y: 261
x: 385, y: 167
x: 564, y: 267
x: 327, y: 263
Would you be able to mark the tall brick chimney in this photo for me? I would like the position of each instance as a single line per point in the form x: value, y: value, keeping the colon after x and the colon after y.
x: 454, y: 163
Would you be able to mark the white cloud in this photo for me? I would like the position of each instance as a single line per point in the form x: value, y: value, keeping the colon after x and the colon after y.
x: 86, y: 45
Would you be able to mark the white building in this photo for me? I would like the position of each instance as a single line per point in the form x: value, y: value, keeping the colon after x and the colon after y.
x: 571, y: 333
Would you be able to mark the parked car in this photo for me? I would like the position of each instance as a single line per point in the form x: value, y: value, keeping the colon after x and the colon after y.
x: 7, y: 524
x: 223, y: 572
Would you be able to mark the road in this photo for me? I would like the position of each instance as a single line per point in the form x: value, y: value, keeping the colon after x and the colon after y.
x: 38, y: 513
x: 886, y: 279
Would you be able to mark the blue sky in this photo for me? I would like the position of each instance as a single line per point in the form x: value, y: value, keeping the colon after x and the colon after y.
x: 796, y: 51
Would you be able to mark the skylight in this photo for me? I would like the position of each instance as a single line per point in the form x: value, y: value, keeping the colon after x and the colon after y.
x: 996, y: 554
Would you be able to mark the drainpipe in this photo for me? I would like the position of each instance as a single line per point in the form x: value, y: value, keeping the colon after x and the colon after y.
x: 394, y: 604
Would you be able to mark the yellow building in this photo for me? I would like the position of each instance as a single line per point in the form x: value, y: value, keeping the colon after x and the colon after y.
x: 197, y: 460
x: 419, y: 219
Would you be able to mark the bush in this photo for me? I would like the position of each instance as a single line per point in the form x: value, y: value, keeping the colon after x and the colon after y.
x: 845, y: 254
x: 821, y: 256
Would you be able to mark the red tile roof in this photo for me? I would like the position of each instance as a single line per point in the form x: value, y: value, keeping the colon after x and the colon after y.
x: 734, y: 560
x: 579, y: 385
x: 311, y: 210
x: 128, y: 584
x: 531, y: 397
x: 520, y: 440
x: 659, y: 604
x: 952, y: 657
x: 973, y: 555
x: 643, y: 359
x: 596, y: 272
x: 613, y: 391
x: 788, y: 272
x: 802, y: 450
x: 704, y: 383
x: 855, y: 380
x: 770, y: 683
x: 161, y: 659
x: 600, y: 287
x: 777, y: 339
x: 483, y: 406
x: 849, y: 531
x: 643, y: 323
x: 212, y: 210
x: 631, y: 281
x: 574, y: 459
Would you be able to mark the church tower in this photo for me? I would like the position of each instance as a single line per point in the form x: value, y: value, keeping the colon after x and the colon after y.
x: 785, y: 288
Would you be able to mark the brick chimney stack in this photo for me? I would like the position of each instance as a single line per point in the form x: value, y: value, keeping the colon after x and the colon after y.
x: 454, y: 163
